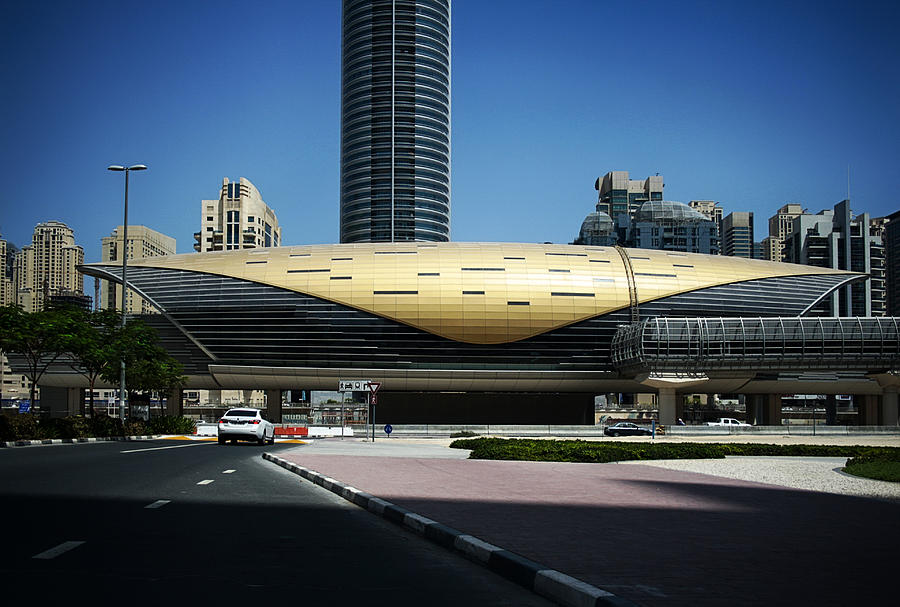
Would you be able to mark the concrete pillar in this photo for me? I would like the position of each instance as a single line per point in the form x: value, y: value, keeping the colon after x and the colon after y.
x: 214, y: 398
x: 755, y: 409
x: 830, y: 410
x: 868, y: 411
x: 773, y: 409
x: 889, y: 413
x: 273, y: 405
x: 668, y: 406
x: 175, y: 402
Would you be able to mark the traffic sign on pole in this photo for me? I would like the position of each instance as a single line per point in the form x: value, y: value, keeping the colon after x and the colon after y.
x: 373, y: 386
x: 353, y: 385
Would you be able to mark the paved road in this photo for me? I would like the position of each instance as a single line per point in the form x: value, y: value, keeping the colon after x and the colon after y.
x: 170, y: 521
x: 654, y: 536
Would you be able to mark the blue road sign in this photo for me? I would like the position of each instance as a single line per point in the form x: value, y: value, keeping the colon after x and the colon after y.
x: 24, y: 406
x: 388, y: 429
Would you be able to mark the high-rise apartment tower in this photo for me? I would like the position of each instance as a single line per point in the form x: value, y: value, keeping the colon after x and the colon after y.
x: 737, y: 234
x: 239, y: 219
x: 618, y: 194
x: 48, y: 266
x: 142, y: 242
x: 395, y: 120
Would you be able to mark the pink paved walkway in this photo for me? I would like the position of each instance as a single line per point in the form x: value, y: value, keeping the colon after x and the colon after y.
x: 654, y: 536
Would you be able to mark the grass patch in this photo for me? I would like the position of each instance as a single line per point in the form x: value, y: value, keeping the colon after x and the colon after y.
x: 880, y: 466
x: 614, y: 451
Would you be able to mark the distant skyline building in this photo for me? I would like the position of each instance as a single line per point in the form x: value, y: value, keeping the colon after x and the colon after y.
x: 597, y: 229
x: 395, y: 121
x: 142, y: 242
x: 836, y: 239
x: 669, y: 226
x: 891, y: 241
x: 780, y: 226
x: 13, y: 386
x: 770, y: 249
x: 618, y: 194
x: 48, y: 266
x: 737, y: 234
x: 7, y: 259
x: 239, y: 219
x: 711, y: 209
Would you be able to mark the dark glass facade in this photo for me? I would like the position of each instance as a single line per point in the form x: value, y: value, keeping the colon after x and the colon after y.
x: 395, y: 121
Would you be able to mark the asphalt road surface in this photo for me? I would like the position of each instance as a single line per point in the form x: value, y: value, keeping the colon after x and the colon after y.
x: 150, y: 521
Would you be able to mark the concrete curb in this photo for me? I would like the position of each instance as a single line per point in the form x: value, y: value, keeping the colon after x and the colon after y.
x: 69, y: 441
x: 546, y: 582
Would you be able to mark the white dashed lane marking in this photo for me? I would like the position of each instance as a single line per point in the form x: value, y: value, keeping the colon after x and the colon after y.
x: 228, y: 471
x: 158, y: 504
x: 206, y: 482
x: 57, y: 550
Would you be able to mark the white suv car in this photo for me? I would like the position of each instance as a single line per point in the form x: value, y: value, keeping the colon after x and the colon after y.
x: 246, y: 424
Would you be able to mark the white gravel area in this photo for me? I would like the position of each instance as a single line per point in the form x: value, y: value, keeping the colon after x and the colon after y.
x: 811, y: 473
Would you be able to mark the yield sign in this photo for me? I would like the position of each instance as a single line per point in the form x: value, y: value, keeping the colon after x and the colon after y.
x: 373, y: 386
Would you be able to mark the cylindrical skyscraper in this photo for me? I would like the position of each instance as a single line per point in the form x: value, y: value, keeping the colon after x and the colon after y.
x: 395, y: 120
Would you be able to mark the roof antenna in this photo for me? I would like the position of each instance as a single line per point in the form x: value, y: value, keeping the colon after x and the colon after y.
x: 848, y: 182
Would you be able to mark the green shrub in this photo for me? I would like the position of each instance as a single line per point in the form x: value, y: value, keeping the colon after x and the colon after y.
x: 69, y: 427
x: 602, y: 451
x: 170, y: 424
x: 24, y: 427
x: 462, y: 434
x: 135, y: 427
x: 103, y: 426
x: 6, y: 429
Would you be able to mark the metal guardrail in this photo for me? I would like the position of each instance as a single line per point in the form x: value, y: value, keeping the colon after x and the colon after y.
x: 766, y: 344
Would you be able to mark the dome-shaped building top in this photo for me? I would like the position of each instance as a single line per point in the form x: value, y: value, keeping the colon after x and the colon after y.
x: 668, y: 210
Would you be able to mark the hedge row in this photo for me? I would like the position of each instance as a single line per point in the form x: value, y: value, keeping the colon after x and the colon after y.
x: 601, y: 452
x: 30, y: 427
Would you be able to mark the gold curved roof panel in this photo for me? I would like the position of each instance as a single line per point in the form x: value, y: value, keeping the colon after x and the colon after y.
x: 483, y: 293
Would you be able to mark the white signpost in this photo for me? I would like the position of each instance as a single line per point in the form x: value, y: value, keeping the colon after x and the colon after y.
x: 373, y: 398
x: 360, y: 385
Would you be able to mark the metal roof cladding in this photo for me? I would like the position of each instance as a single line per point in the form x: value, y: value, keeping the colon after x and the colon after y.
x: 523, y: 289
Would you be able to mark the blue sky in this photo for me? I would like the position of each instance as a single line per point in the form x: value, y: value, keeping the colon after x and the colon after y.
x: 751, y: 104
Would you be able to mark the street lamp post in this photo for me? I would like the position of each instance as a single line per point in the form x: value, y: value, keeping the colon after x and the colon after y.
x: 116, y: 167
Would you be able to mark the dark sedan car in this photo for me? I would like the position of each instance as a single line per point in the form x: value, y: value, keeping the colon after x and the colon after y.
x: 626, y: 429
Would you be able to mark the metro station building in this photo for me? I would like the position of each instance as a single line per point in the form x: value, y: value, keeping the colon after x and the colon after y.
x: 511, y: 333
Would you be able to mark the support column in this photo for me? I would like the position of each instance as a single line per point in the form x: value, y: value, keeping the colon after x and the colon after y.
x: 830, y: 410
x: 773, y: 409
x: 175, y: 402
x: 273, y: 405
x: 668, y: 384
x: 868, y: 411
x: 889, y: 409
x: 668, y: 406
x: 755, y: 409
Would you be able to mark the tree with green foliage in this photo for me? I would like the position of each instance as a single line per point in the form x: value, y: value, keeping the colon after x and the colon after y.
x: 148, y: 367
x: 92, y: 346
x: 40, y: 338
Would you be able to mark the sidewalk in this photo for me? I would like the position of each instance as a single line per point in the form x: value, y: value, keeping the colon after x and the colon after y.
x: 648, y: 534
